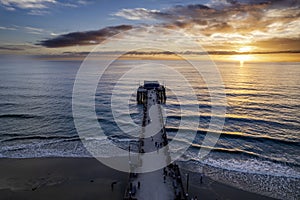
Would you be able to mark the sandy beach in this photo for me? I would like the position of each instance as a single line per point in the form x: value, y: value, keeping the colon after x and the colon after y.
x: 59, y: 178
x: 85, y: 178
x: 213, y: 190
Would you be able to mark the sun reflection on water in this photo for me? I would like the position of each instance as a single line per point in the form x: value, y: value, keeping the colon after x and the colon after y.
x: 242, y: 58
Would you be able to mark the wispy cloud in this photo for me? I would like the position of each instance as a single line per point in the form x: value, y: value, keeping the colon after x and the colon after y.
x: 17, y: 47
x: 140, y: 14
x: 39, y: 7
x: 7, y: 28
x: 57, y: 34
x: 11, y: 48
x: 26, y: 4
x: 38, y: 12
x: 35, y: 30
x: 28, y: 29
x: 73, y: 4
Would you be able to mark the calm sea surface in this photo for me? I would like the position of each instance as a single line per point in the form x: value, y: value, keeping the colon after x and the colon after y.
x: 260, y: 141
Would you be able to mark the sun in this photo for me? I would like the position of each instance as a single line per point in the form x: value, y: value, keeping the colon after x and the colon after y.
x: 242, y: 58
x: 245, y: 49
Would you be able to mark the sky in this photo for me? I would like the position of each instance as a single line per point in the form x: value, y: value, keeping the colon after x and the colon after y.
x: 221, y: 27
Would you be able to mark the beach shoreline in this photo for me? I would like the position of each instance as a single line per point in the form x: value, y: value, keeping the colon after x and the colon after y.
x: 85, y: 178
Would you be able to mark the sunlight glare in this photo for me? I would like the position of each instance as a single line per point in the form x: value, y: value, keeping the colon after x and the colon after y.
x: 242, y: 58
x: 245, y: 49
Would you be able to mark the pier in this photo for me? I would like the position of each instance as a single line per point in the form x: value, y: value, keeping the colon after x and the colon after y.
x: 162, y: 184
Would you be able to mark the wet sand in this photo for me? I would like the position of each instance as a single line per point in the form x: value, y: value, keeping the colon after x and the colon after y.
x: 86, y: 178
x: 209, y: 189
x: 212, y: 190
x: 59, y: 178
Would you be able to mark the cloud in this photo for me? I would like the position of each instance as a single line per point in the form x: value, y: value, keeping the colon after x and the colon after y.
x: 27, y: 29
x: 11, y: 48
x: 176, y: 12
x: 39, y: 7
x: 38, y: 12
x: 84, y: 38
x: 27, y: 4
x: 140, y: 14
x: 17, y: 47
x: 57, y: 34
x: 275, y: 3
x: 283, y: 43
x: 73, y: 4
x: 228, y: 20
x: 7, y: 28
x: 220, y: 25
x: 34, y: 29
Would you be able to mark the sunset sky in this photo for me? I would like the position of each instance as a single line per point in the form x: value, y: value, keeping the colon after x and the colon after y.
x: 224, y: 28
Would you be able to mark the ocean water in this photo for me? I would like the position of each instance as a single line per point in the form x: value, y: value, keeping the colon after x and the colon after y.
x: 258, y: 150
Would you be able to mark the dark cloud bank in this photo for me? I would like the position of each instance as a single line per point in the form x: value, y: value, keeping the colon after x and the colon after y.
x: 84, y: 38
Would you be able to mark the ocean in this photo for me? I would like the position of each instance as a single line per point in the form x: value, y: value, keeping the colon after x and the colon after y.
x: 258, y: 149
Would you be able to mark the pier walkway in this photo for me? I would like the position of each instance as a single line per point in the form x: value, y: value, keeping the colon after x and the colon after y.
x: 162, y: 184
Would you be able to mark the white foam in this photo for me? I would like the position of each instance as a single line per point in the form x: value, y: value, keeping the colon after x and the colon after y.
x: 253, y: 166
x: 57, y: 148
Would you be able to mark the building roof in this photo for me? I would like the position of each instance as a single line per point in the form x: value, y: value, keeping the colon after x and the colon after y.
x: 151, y: 84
